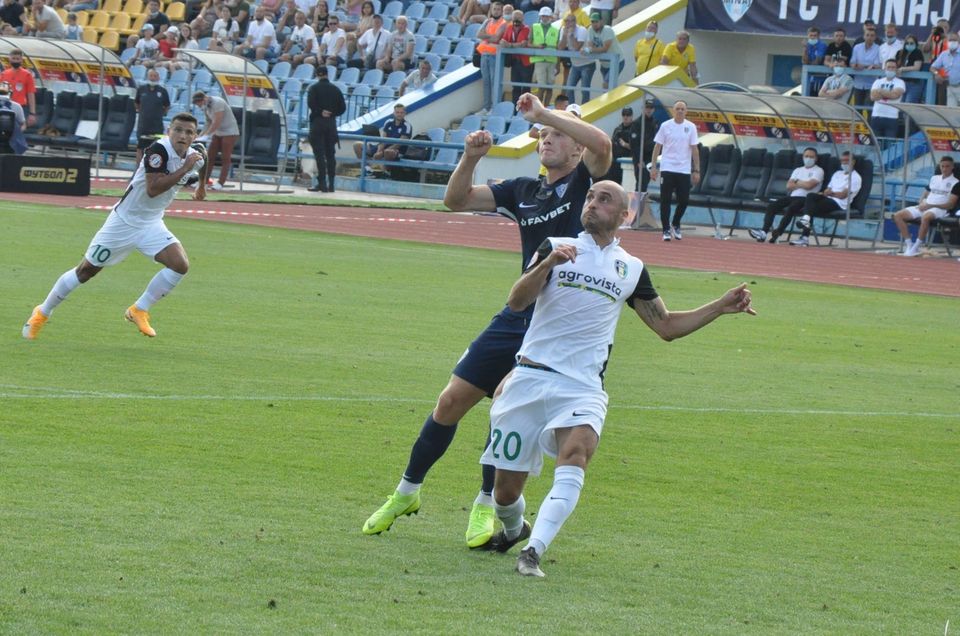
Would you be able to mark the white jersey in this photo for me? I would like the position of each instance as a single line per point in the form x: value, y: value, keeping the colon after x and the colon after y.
x: 138, y: 209
x: 805, y: 174
x: 940, y: 189
x: 676, y: 141
x: 839, y: 182
x: 577, y: 310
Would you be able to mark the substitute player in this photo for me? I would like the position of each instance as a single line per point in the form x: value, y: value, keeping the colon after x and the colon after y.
x: 573, y: 152
x: 136, y: 221
x: 554, y: 403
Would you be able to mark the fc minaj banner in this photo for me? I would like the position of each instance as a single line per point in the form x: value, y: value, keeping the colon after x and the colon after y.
x: 794, y: 17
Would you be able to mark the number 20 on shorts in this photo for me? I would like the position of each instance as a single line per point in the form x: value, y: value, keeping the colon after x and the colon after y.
x: 511, y: 444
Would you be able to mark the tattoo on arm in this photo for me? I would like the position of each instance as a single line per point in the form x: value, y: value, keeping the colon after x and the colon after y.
x: 651, y: 310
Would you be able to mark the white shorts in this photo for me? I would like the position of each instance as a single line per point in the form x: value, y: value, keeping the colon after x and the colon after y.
x: 916, y: 212
x: 115, y: 240
x: 533, y: 405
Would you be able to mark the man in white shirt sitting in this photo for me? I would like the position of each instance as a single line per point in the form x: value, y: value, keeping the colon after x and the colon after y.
x: 841, y: 191
x: 940, y: 198
x: 261, y: 40
x: 804, y: 180
x: 333, y: 44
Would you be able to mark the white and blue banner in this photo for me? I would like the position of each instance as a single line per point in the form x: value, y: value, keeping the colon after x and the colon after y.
x: 794, y: 17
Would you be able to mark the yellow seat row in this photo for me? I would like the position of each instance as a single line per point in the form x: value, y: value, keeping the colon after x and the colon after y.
x: 176, y: 11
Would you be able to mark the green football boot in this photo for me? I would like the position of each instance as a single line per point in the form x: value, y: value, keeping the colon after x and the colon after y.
x: 480, y: 526
x: 397, y: 506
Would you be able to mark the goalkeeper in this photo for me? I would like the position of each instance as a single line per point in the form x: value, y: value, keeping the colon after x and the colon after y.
x: 136, y: 221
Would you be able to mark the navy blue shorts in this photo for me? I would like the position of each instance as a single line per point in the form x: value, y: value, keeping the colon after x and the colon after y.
x: 493, y: 354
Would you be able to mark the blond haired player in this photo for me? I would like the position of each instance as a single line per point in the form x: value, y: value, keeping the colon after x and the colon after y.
x: 136, y: 222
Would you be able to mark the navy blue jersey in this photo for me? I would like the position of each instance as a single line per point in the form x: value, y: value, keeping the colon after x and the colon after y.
x: 541, y: 209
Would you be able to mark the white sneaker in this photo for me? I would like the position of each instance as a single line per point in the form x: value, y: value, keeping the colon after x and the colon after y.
x: 803, y: 241
x: 804, y: 222
x: 217, y: 186
x: 666, y: 235
x: 676, y: 233
x: 758, y: 235
x: 913, y: 249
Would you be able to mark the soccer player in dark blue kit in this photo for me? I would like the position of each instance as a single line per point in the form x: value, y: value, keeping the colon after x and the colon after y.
x: 574, y: 153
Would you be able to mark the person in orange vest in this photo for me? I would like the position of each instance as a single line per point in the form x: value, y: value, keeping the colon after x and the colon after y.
x: 490, y: 34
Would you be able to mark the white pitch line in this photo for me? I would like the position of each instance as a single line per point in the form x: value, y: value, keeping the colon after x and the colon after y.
x: 56, y: 393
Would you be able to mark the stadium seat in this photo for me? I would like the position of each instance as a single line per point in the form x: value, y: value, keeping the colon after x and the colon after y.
x: 99, y: 20
x: 858, y: 206
x: 518, y: 126
x: 117, y: 126
x: 471, y: 30
x: 446, y: 158
x: 43, y: 99
x: 784, y: 163
x: 304, y: 72
x: 440, y: 47
x: 436, y: 134
x: 136, y: 26
x: 435, y: 61
x: 138, y: 73
x: 458, y: 136
x: 465, y: 49
x: 496, y: 126
x: 111, y: 6
x: 420, y: 45
x: 263, y: 65
x: 373, y: 77
x: 530, y: 18
x: 176, y: 11
x: 416, y: 11
x: 350, y: 76
x: 470, y: 123
x: 66, y: 114
x: 133, y: 7
x: 110, y: 40
x: 439, y: 12
x: 428, y: 28
x: 451, y: 31
x: 263, y: 139
x: 502, y: 109
x: 119, y: 21
x: 90, y: 36
x: 393, y: 9
x: 395, y: 79
x: 453, y: 63
x: 279, y: 73
x: 754, y: 174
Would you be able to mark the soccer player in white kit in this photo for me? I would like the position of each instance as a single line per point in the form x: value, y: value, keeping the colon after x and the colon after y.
x: 136, y: 221
x: 554, y: 402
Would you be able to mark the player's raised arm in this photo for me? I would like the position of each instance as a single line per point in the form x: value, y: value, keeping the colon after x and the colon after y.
x: 598, y: 149
x: 461, y: 193
x: 670, y: 325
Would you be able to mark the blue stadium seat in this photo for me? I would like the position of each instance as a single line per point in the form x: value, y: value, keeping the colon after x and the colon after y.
x: 428, y: 28
x: 395, y: 79
x: 416, y: 11
x: 436, y: 134
x: 440, y: 46
x: 304, y: 72
x: 471, y: 31
x: 393, y: 9
x: 465, y: 48
x: 453, y: 63
x: 451, y: 30
x: 373, y: 77
x: 439, y: 12
x: 280, y: 72
x: 458, y: 136
x: 350, y: 75
x: 496, y: 125
x: 503, y: 110
x: 470, y: 123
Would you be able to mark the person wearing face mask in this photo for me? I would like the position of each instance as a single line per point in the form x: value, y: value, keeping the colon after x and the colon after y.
x: 838, y: 85
x: 946, y: 69
x: 891, y: 44
x: 841, y: 191
x: 649, y: 48
x: 23, y: 89
x: 814, y: 50
x: 910, y: 59
x: 157, y: 18
x: 517, y: 35
x: 886, y: 90
x: 152, y: 102
x: 804, y: 180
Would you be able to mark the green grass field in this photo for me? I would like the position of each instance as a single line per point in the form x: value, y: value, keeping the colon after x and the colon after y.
x: 793, y: 473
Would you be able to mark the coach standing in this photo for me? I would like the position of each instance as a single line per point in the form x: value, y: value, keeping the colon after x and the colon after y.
x: 152, y: 103
x: 326, y: 103
x: 677, y: 139
x: 23, y: 89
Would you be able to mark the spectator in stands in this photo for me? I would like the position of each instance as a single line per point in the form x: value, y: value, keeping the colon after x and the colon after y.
x: 603, y: 40
x: 804, y: 180
x: 517, y: 35
x: 683, y: 55
x: 271, y: 9
x: 886, y: 90
x: 578, y: 12
x: 372, y: 45
x: 814, y: 50
x: 241, y: 12
x: 938, y: 200
x: 419, y: 78
x: 838, y: 48
x: 910, y: 60
x: 23, y: 88
x: 152, y: 102
x: 318, y: 20
x: 261, y: 42
x: 649, y: 49
x: 490, y: 34
x: 677, y: 138
x: 183, y: 39
x: 396, y: 128
x: 841, y: 191
x: 620, y: 139
x: 608, y: 10
x: 891, y: 44
x: 398, y: 55
x: 45, y: 22
x: 936, y: 42
x: 642, y: 133
x: 839, y: 85
x: 210, y: 13
x: 148, y: 48
x: 866, y: 56
x: 326, y: 103
x: 946, y: 70
x: 364, y: 24
x: 868, y: 25
x: 221, y: 130
x: 333, y: 44
x: 301, y: 44
x: 169, y: 41
x: 12, y: 12
x: 157, y: 18
x: 574, y: 37
x: 353, y: 10
x: 74, y: 30
x: 544, y: 34
x: 225, y: 34
x: 472, y: 11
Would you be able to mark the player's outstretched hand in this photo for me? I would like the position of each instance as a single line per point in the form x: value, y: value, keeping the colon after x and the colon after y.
x: 530, y: 107
x: 477, y: 144
x: 738, y: 300
x: 200, y: 193
x: 561, y: 254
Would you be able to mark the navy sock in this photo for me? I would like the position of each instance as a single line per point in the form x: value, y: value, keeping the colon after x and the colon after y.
x: 430, y: 446
x: 488, y: 472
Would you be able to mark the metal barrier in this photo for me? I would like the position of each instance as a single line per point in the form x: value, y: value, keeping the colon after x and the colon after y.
x: 929, y: 91
x: 613, y: 59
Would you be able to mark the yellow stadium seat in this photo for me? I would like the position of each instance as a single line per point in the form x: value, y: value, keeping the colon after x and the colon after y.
x: 177, y: 12
x: 133, y: 7
x: 89, y: 36
x: 136, y: 27
x: 119, y: 22
x: 110, y: 40
x: 99, y: 20
x: 62, y: 13
x: 83, y: 18
x: 110, y: 6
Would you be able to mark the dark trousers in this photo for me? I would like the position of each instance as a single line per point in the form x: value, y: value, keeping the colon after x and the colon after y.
x: 521, y: 73
x: 789, y: 207
x: 670, y: 183
x: 817, y: 204
x: 641, y: 176
x: 323, y: 141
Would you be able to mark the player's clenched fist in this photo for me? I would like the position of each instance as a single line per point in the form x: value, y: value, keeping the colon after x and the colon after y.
x: 477, y: 144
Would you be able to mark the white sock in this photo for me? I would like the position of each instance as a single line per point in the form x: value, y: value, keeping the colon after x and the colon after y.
x: 61, y: 289
x: 511, y: 516
x: 559, y: 503
x: 407, y: 487
x: 484, y: 499
x: 160, y: 285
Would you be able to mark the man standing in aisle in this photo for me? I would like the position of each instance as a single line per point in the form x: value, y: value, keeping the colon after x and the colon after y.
x: 326, y: 103
x: 677, y: 140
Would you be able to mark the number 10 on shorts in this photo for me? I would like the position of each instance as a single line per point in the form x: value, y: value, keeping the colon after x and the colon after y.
x: 511, y: 444
x: 99, y: 254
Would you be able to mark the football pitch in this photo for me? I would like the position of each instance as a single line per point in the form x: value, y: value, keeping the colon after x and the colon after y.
x: 792, y: 473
